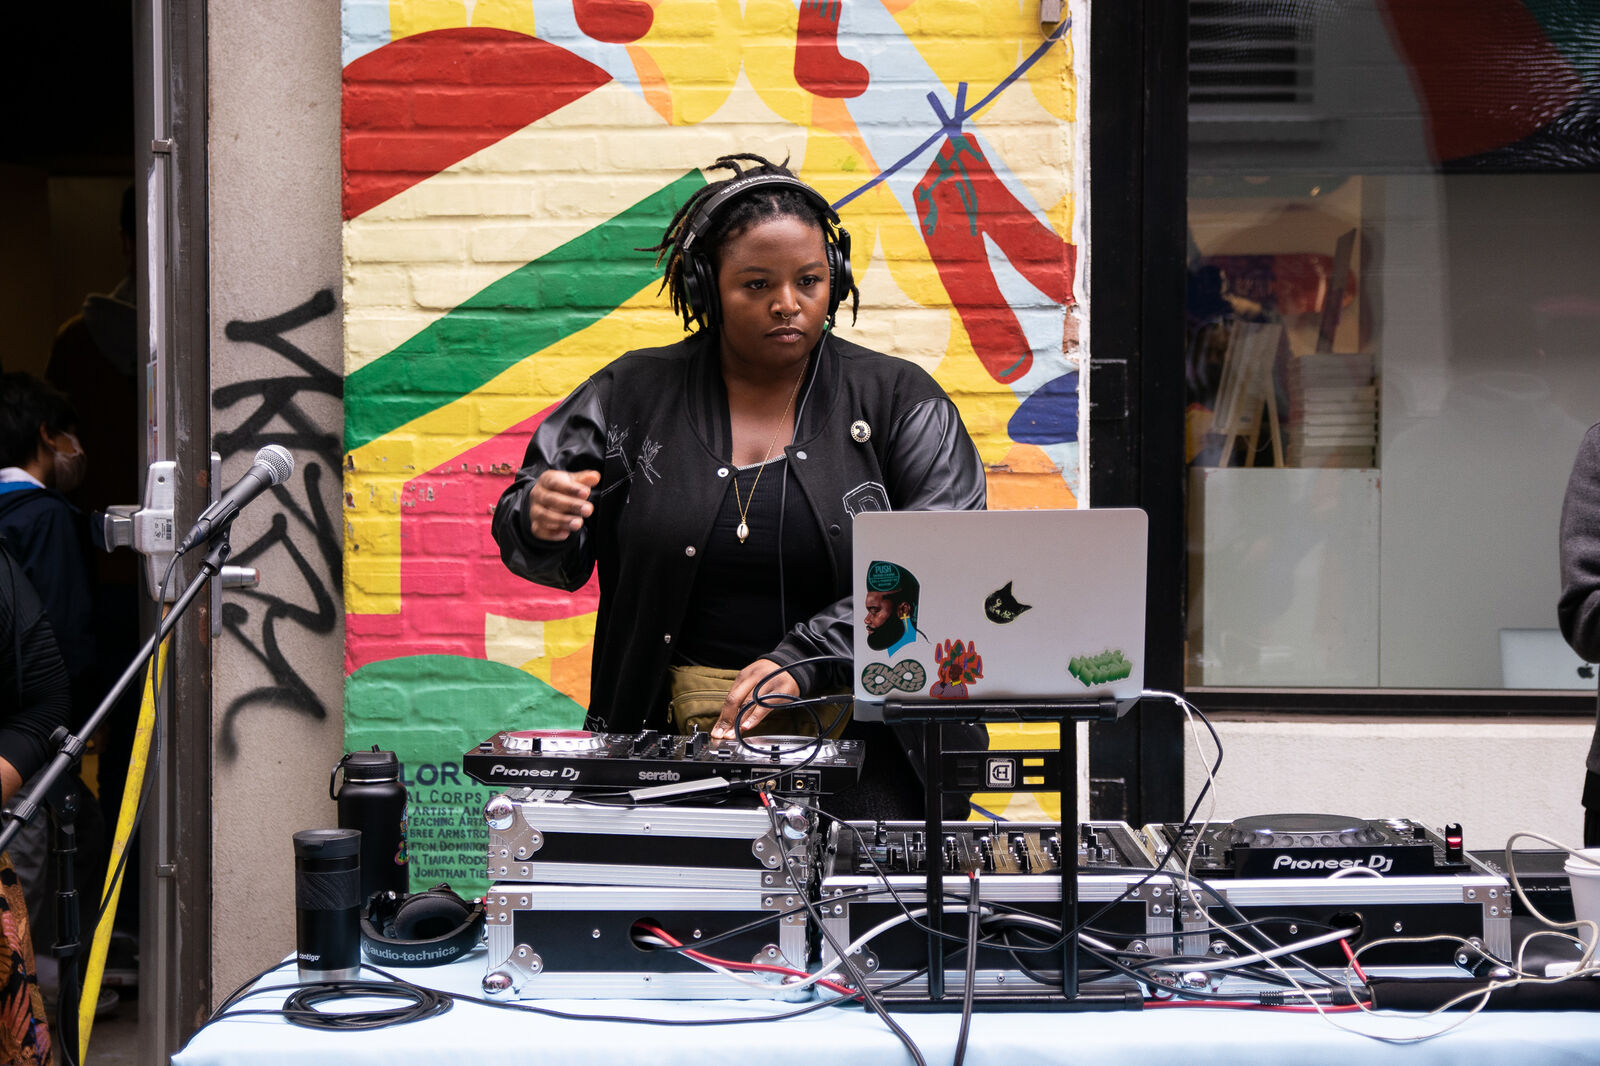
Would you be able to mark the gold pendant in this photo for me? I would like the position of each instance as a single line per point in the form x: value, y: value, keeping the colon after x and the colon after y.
x: 743, y: 531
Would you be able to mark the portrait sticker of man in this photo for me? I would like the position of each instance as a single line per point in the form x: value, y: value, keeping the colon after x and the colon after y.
x: 890, y: 613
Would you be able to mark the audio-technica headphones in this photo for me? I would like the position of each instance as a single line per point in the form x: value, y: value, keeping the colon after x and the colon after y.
x: 700, y: 274
x: 421, y: 929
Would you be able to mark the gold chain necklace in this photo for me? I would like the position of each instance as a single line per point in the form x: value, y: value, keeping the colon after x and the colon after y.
x: 744, y: 505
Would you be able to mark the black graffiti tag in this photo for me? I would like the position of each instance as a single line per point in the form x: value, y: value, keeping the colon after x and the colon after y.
x: 280, y: 409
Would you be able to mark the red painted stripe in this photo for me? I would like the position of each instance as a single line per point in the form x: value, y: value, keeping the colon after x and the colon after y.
x: 451, y: 575
x: 425, y: 102
x: 1487, y: 73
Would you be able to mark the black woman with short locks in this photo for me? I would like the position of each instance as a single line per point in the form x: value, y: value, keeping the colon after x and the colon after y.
x: 713, y: 482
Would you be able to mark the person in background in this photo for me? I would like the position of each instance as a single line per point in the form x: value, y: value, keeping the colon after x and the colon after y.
x: 40, y: 461
x: 713, y: 482
x: 94, y: 363
x: 36, y: 699
x: 1579, y: 607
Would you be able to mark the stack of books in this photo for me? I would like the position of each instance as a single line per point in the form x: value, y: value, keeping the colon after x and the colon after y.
x: 1333, y: 410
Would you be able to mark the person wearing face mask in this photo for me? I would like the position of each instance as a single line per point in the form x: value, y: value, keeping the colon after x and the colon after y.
x: 40, y: 461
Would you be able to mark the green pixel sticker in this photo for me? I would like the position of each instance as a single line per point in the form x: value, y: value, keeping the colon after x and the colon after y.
x: 1109, y: 665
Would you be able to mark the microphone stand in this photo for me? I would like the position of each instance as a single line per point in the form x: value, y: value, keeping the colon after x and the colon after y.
x: 69, y: 749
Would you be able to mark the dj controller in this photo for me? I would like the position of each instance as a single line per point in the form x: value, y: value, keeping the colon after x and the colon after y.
x: 579, y: 759
x: 1301, y: 845
x: 1390, y: 878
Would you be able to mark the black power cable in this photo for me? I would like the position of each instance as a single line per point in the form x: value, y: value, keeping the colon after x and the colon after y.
x: 301, y: 1006
x: 974, y: 918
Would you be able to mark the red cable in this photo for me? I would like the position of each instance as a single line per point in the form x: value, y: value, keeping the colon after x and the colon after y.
x: 758, y: 967
x: 1354, y: 965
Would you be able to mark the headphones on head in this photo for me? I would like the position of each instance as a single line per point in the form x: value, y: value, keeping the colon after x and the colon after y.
x: 420, y: 929
x: 700, y: 273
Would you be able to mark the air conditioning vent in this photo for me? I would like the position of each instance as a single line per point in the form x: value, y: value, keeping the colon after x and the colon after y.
x: 1251, y: 60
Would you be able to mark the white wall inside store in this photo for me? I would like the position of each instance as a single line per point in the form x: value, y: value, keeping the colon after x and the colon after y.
x: 1494, y: 777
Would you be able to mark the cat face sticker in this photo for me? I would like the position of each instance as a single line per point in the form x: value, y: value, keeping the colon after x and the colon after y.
x: 1001, y: 606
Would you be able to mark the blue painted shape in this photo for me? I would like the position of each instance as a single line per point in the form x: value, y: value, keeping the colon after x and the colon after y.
x: 1050, y: 415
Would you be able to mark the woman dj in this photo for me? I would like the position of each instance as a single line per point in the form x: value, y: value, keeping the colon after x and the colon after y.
x: 713, y: 481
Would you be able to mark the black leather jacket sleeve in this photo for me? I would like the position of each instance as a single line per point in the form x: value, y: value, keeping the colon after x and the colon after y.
x: 1579, y: 606
x: 572, y: 438
x: 931, y: 465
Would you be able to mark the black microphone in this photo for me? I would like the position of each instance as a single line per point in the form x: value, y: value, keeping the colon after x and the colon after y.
x: 273, y: 466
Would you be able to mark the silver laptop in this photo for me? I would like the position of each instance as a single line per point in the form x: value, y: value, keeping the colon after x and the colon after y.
x: 999, y: 605
x: 1540, y: 658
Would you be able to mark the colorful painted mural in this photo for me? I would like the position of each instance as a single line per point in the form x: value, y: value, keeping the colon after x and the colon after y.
x: 504, y: 162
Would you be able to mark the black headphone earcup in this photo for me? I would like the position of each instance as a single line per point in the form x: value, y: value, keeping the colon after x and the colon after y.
x: 425, y: 916
x: 840, y: 276
x: 700, y: 289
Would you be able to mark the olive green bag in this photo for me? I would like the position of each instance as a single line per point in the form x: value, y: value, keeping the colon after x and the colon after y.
x: 698, y: 693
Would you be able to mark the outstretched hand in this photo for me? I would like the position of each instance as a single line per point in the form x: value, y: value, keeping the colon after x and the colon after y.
x: 743, y: 690
x: 559, y: 503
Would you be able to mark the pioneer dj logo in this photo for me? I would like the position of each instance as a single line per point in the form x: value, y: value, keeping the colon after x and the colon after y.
x: 1377, y: 864
x: 1002, y: 773
x: 565, y: 773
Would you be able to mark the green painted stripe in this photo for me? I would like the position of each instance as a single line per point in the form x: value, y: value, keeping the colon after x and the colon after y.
x: 533, y: 307
x: 1573, y: 26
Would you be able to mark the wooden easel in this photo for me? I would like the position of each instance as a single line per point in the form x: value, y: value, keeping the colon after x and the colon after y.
x: 1247, y: 387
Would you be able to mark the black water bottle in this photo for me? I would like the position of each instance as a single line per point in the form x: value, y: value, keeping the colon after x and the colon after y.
x: 373, y: 800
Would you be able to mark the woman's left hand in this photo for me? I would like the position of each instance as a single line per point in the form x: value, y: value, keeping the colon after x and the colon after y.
x: 743, y: 689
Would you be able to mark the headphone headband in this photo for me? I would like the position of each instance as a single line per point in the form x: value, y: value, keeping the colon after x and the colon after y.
x: 699, y: 274
x: 402, y: 930
x: 743, y: 184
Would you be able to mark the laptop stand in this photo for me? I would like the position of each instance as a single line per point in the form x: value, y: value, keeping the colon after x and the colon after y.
x: 1002, y: 771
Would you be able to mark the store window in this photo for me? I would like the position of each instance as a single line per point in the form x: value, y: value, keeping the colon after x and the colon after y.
x: 1393, y: 331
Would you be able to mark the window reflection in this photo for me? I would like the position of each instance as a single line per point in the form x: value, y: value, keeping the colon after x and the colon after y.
x: 1391, y: 326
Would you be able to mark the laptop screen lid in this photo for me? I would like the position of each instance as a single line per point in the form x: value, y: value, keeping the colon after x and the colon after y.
x: 998, y: 605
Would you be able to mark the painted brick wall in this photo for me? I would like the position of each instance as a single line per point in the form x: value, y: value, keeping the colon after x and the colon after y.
x: 502, y: 161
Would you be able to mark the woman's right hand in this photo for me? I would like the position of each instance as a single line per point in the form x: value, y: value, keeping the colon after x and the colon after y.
x: 559, y: 503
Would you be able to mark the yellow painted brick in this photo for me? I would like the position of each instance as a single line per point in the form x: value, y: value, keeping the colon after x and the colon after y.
x: 468, y: 196
x: 645, y: 148
x: 358, y: 601
x: 372, y: 285
x: 404, y: 242
x: 369, y: 335
x: 373, y: 575
x: 514, y: 243
x: 493, y: 415
x: 384, y: 459
x: 443, y: 286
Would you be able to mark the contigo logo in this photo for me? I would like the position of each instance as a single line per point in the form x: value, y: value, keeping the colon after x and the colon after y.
x: 1377, y: 863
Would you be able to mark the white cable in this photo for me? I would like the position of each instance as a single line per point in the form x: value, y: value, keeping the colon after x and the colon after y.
x: 1265, y: 956
x: 742, y: 978
x: 1516, y: 884
x: 1055, y: 927
x: 829, y: 961
x: 1586, y: 963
